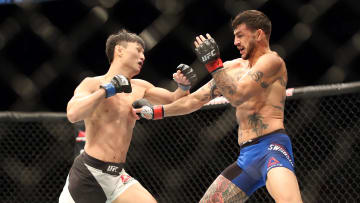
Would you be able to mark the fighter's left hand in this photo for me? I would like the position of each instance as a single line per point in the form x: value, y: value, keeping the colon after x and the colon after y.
x: 200, y: 39
x: 208, y: 53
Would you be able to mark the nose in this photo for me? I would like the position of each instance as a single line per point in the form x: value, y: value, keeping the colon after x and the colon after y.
x: 142, y: 57
x: 236, y: 42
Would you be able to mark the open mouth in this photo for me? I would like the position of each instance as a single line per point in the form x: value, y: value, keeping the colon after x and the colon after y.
x: 242, y: 49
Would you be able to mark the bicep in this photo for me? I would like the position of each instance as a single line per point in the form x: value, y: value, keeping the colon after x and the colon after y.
x: 158, y: 95
x: 85, y: 88
x: 265, y: 71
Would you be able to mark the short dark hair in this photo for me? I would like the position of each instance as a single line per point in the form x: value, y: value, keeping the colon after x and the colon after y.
x: 253, y: 19
x: 122, y: 36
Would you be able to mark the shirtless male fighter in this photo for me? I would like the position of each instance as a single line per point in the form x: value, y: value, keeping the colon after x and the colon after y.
x: 255, y: 85
x: 105, y: 104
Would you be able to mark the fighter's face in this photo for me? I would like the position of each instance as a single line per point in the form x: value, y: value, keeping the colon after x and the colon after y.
x: 133, y: 55
x: 244, y: 40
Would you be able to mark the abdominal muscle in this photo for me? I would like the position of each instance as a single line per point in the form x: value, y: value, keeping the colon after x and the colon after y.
x: 109, y: 139
x: 253, y: 124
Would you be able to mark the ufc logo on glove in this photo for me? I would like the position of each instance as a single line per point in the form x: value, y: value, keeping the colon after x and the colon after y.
x: 208, y: 55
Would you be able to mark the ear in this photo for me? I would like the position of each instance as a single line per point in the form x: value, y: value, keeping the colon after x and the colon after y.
x: 118, y: 50
x: 260, y: 34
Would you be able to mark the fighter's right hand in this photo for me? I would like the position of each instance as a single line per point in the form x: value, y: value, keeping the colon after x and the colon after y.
x: 118, y: 84
x: 147, y: 110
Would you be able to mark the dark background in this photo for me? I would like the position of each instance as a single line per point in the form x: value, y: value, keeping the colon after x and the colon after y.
x: 47, y: 48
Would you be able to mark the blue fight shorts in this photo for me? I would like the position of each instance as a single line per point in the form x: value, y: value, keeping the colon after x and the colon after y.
x: 257, y: 157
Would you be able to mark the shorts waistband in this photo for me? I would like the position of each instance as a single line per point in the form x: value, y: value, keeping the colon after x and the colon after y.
x: 106, y: 167
x: 257, y: 140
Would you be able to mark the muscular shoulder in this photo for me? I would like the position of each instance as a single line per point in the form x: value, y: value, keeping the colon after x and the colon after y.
x: 91, y: 80
x: 269, y: 68
x: 141, y: 83
x: 272, y: 61
x: 268, y: 65
x: 234, y: 62
x: 90, y: 83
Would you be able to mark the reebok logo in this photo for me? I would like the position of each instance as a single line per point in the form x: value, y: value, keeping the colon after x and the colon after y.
x: 112, y: 168
x: 208, y: 55
x: 280, y: 148
x: 125, y: 178
x: 272, y: 161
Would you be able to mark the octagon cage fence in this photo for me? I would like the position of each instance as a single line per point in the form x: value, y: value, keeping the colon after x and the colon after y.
x: 177, y: 158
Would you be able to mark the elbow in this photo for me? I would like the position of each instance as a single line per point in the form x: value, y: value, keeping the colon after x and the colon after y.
x: 71, y: 116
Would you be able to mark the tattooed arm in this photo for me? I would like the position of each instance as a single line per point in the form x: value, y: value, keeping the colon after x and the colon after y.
x: 266, y: 70
x: 193, y: 101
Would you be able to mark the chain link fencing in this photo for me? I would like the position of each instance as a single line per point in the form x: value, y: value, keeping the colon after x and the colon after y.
x: 177, y: 158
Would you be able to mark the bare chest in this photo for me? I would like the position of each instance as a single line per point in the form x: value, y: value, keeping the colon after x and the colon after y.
x: 238, y: 73
x: 116, y: 106
x: 119, y: 106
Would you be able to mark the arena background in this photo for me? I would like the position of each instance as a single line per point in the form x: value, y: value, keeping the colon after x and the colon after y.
x: 48, y: 47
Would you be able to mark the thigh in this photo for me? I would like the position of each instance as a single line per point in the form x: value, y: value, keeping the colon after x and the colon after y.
x: 84, y: 186
x: 225, y: 187
x: 65, y: 196
x: 282, y: 185
x: 136, y: 193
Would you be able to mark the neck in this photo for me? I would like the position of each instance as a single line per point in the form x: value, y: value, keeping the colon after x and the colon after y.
x: 258, y: 52
x: 118, y: 68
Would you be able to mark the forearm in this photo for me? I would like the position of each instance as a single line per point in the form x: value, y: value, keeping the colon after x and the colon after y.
x: 163, y: 96
x: 185, y: 105
x: 179, y: 93
x: 80, y: 108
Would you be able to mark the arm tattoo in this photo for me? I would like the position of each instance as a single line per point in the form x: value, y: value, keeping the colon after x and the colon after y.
x: 255, y: 121
x: 257, y: 77
x: 282, y: 82
x: 222, y: 190
x: 206, y: 97
x: 225, y: 83
x: 214, y: 91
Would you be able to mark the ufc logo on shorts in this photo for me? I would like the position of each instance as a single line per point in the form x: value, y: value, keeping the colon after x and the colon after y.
x: 208, y: 55
x: 112, y: 168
